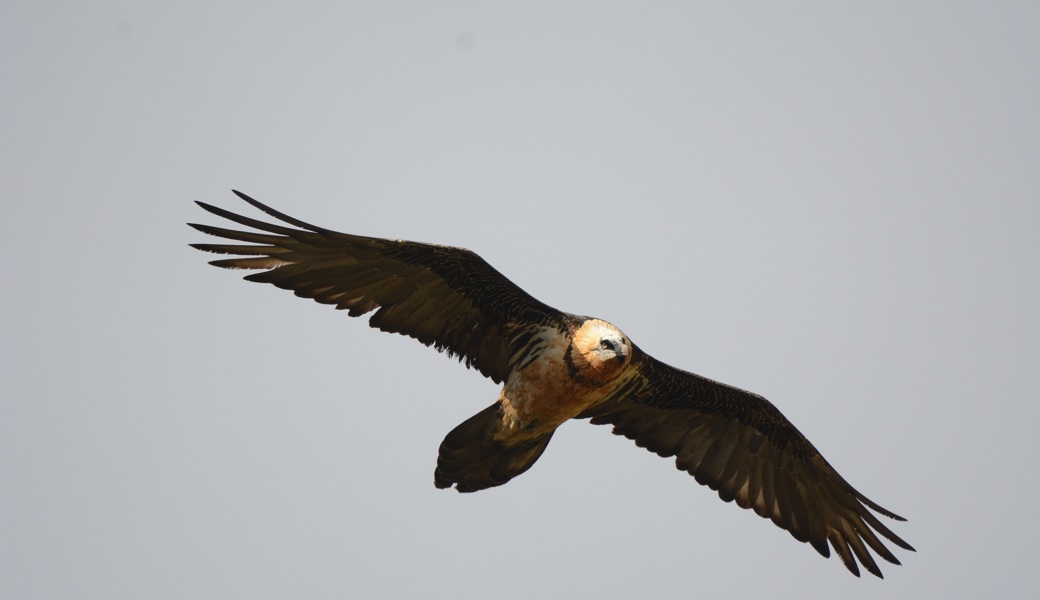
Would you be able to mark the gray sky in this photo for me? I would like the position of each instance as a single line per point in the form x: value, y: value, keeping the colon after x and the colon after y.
x: 833, y: 207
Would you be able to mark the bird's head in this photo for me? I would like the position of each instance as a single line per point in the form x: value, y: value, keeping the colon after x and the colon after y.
x: 600, y: 351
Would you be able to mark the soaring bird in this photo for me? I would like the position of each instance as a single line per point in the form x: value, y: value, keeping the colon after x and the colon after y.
x: 555, y: 366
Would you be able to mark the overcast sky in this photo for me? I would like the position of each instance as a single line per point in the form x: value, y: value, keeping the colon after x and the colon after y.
x: 834, y: 207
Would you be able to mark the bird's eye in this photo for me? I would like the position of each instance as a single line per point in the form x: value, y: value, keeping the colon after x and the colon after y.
x: 606, y: 344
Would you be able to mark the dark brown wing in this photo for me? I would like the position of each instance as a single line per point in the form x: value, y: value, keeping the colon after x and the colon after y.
x: 446, y: 297
x: 740, y: 445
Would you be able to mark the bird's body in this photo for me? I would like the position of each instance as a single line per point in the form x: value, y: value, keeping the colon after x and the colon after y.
x: 556, y: 366
x: 562, y: 375
x: 569, y: 375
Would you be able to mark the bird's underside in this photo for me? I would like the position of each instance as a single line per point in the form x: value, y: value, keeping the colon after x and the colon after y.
x: 555, y: 366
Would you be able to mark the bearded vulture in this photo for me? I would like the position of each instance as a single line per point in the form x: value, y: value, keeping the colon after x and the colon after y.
x: 555, y: 366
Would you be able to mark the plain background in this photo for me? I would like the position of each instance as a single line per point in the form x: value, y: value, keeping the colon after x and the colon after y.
x: 833, y: 206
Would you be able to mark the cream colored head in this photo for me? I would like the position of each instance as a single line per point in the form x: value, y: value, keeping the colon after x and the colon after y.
x: 600, y: 351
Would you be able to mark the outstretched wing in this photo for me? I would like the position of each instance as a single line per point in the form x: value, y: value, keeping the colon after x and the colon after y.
x: 740, y: 445
x: 446, y: 297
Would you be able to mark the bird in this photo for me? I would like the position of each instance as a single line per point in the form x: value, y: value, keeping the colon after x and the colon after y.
x: 556, y: 366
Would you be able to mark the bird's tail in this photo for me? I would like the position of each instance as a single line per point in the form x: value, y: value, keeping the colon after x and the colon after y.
x: 471, y: 459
